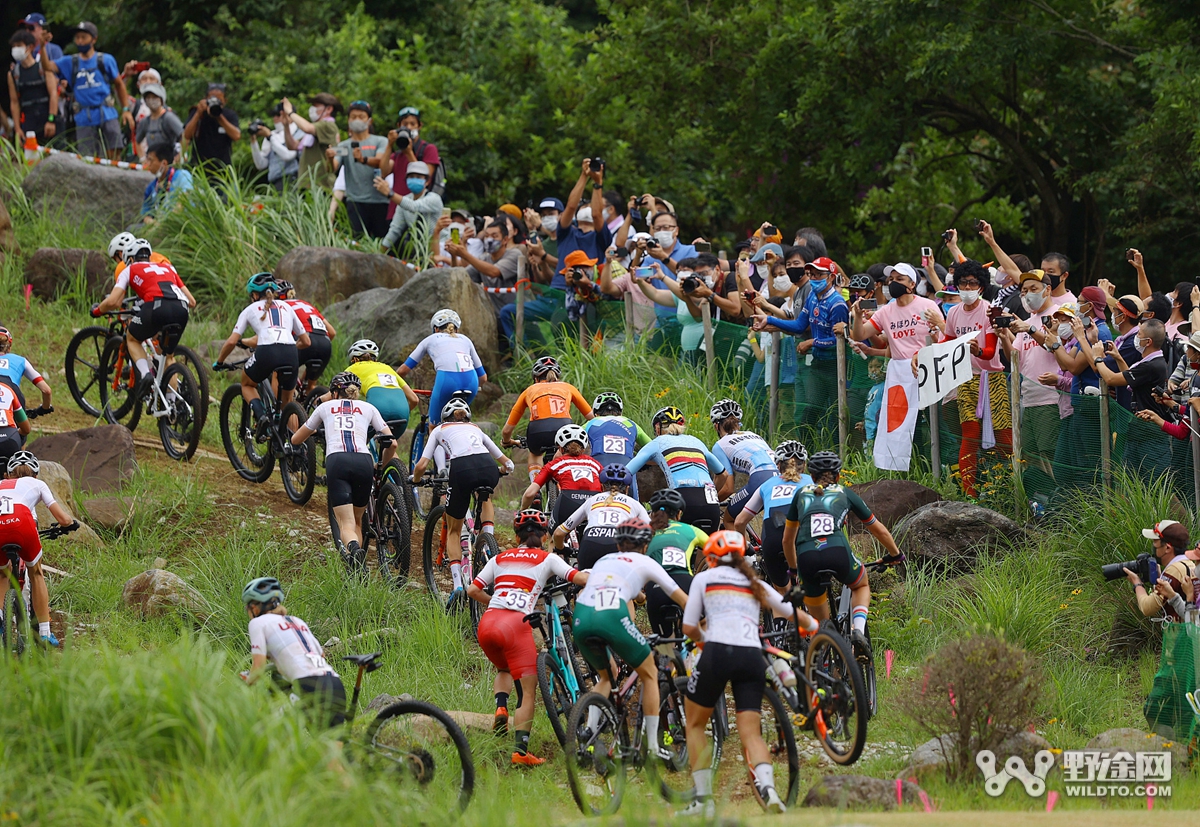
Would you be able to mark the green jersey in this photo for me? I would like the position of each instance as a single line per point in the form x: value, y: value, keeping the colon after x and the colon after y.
x: 672, y: 547
x: 821, y: 513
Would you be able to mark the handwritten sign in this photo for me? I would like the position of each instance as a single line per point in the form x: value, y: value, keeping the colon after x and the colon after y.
x: 943, y: 367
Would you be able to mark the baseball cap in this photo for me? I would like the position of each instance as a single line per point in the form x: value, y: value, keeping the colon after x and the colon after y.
x: 461, y: 212
x: 1094, y: 296
x: 1034, y: 275
x: 510, y: 209
x: 360, y: 105
x: 862, y: 281
x: 155, y: 89
x: 1067, y: 309
x: 85, y: 26
x: 767, y: 248
x: 947, y: 291
x: 584, y: 215
x: 903, y: 269
x: 1131, y: 306
x: 550, y: 204
x: 326, y: 99
x: 1170, y: 530
x: 576, y: 258
x: 35, y: 19
x: 824, y: 264
x: 418, y: 168
x: 409, y: 110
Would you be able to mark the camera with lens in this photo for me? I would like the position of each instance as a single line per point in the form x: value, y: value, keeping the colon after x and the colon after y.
x: 947, y: 236
x: 689, y: 284
x: 1145, y: 566
x: 214, y: 107
x: 597, y: 163
x: 403, y: 138
x: 256, y: 125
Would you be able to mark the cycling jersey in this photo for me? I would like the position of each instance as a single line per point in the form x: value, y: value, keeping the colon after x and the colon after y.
x: 684, y: 460
x: 548, y: 400
x: 580, y: 473
x: 672, y: 547
x: 614, y: 439
x: 459, y: 439
x: 821, y: 516
x: 725, y: 596
x: 620, y: 577
x: 155, y: 258
x: 744, y: 452
x: 287, y: 642
x: 14, y: 368
x: 277, y: 324
x: 606, y: 511
x: 775, y: 494
x: 345, y: 422
x: 26, y: 492
x: 11, y: 412
x: 152, y: 281
x: 309, y: 316
x: 376, y: 375
x: 519, y: 575
x: 453, y: 353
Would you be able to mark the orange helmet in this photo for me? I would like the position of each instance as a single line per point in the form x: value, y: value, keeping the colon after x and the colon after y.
x: 721, y: 545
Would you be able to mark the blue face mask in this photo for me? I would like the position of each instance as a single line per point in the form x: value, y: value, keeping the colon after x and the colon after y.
x: 415, y: 185
x: 819, y: 286
x: 946, y: 309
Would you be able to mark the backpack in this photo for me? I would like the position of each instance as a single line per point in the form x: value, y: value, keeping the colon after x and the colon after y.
x: 75, y: 63
x: 438, y: 184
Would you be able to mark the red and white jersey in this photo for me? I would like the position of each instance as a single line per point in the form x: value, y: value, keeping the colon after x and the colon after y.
x: 519, y: 575
x: 287, y: 642
x: 309, y: 316
x: 276, y: 324
x: 9, y: 405
x: 580, y: 473
x: 26, y: 492
x: 346, y: 422
x: 151, y: 281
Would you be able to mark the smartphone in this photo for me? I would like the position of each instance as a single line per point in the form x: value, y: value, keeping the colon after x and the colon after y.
x: 750, y: 295
x: 926, y: 252
x: 769, y: 230
x: 978, y: 225
x: 645, y: 272
x: 141, y: 66
x: 1129, y: 254
x: 703, y: 247
x: 868, y: 304
x: 455, y: 236
x: 1046, y: 320
x: 445, y: 212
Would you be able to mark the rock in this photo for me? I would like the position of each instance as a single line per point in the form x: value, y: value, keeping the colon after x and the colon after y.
x: 1024, y: 744
x: 649, y: 480
x: 157, y: 591
x: 98, y: 459
x: 892, y: 500
x: 931, y: 755
x: 472, y: 720
x: 860, y: 792
x: 8, y: 239
x: 952, y: 533
x: 489, y: 428
x: 324, y: 275
x: 209, y: 350
x: 489, y: 394
x: 109, y: 513
x: 1131, y: 740
x: 503, y: 519
x: 399, y: 319
x: 59, y: 481
x: 51, y: 270
x: 107, y: 198
x: 380, y: 702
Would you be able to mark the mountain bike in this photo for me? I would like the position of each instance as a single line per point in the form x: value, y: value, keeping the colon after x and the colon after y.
x: 422, y: 503
x: 562, y: 673
x: 16, y: 626
x: 387, y: 521
x: 253, y: 447
x: 550, y: 490
x: 481, y: 546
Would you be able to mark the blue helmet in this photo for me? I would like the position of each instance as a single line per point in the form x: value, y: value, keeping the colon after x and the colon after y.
x: 616, y: 474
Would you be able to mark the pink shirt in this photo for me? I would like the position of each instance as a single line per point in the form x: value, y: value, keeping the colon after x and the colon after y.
x: 643, y: 305
x: 1034, y: 361
x: 960, y: 322
x: 906, y: 327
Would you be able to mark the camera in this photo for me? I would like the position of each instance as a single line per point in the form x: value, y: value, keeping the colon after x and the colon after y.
x: 214, y: 107
x: 651, y: 243
x: 1129, y: 254
x: 646, y: 203
x: 947, y: 236
x: 1002, y: 321
x: 689, y: 284
x: 703, y: 247
x: 1145, y: 566
x: 978, y: 225
x: 403, y: 138
x: 256, y: 125
x: 597, y: 163
x: 769, y: 230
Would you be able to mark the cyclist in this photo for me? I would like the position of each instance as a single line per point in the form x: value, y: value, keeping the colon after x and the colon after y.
x: 14, y: 368
x: 285, y: 641
x: 813, y: 540
x: 382, y: 386
x: 576, y: 472
x: 518, y: 576
x: 349, y: 465
x: 164, y: 302
x: 671, y: 547
x: 320, y: 330
x: 14, y: 424
x: 455, y: 359
x: 120, y: 251
x: 603, y: 512
x: 686, y: 463
x: 732, y: 598
x: 604, y: 610
x: 549, y: 402
x: 472, y: 457
x: 772, y: 499
x: 615, y: 438
x: 20, y: 492
x: 278, y: 334
x: 743, y: 451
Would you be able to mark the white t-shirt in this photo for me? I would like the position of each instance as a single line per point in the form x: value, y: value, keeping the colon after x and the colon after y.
x: 906, y: 327
x: 519, y: 575
x: 26, y: 491
x: 346, y: 422
x: 621, y: 576
x: 724, y: 595
x: 606, y: 510
x: 460, y: 439
x: 274, y: 325
x: 287, y: 642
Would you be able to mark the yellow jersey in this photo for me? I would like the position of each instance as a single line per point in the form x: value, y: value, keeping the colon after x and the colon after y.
x: 376, y: 375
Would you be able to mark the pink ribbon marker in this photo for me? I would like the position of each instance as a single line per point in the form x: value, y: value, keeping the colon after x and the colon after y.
x: 1051, y: 800
x: 899, y: 792
x: 28, y: 293
x: 887, y: 662
x: 925, y: 801
x: 1149, y: 801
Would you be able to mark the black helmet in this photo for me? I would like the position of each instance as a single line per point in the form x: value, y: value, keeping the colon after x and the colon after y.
x: 634, y: 531
x: 284, y: 286
x: 824, y: 462
x: 669, y: 415
x: 343, y: 380
x: 668, y: 500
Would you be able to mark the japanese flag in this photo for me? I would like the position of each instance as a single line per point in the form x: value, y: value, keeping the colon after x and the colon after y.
x: 897, y: 417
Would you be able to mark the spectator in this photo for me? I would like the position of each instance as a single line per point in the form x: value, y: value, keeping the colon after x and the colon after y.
x: 282, y: 164
x: 36, y: 24
x: 497, y: 267
x: 1183, y: 377
x: 697, y: 276
x: 161, y: 124
x: 576, y: 228
x: 212, y: 128
x: 1057, y: 268
x: 660, y: 249
x: 580, y: 274
x: 162, y: 193
x: 877, y: 372
x: 1127, y: 314
x: 366, y: 204
x: 320, y: 134
x: 1146, y: 452
x: 92, y: 77
x: 811, y: 238
x: 614, y: 211
x: 404, y: 146
x: 32, y: 91
x: 1170, y: 542
x: 417, y: 212
x: 542, y: 228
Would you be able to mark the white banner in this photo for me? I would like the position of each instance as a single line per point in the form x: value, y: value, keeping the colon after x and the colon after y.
x: 943, y: 367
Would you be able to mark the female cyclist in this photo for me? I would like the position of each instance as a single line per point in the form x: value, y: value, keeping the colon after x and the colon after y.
x: 473, y: 458
x: 14, y: 368
x: 278, y: 334
x: 518, y: 576
x: 615, y: 437
x: 20, y: 492
x: 603, y: 512
x: 671, y: 547
x: 604, y: 609
x: 686, y: 463
x: 382, y: 386
x: 731, y: 597
x: 320, y: 330
x: 349, y: 465
x: 576, y: 472
x: 453, y: 354
x: 772, y: 499
x: 549, y: 402
x: 14, y: 423
x: 743, y: 451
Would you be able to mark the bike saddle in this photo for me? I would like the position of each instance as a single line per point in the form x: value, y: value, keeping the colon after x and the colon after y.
x: 485, y: 489
x: 596, y: 642
x: 396, y: 424
x: 369, y: 662
x: 533, y: 618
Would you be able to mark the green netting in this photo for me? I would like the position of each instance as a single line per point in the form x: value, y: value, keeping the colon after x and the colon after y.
x: 1167, y: 710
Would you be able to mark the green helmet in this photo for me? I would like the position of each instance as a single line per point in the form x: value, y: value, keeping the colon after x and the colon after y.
x: 260, y: 283
x: 262, y: 590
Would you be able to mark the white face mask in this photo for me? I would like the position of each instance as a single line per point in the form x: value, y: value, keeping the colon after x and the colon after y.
x: 709, y: 281
x: 18, y: 53
x: 969, y: 296
x: 1065, y: 331
x: 1142, y: 346
x: 781, y: 284
x: 414, y: 133
x: 607, y: 214
x: 761, y: 269
x: 1033, y: 301
x: 665, y: 238
x: 550, y: 223
x: 357, y: 125
x: 314, y: 114
x: 154, y: 104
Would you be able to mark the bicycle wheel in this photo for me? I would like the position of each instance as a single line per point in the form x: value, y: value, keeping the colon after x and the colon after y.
x: 433, y: 554
x: 596, y: 767
x: 674, y: 777
x: 118, y: 380
x: 720, y: 729
x: 426, y: 752
x: 299, y: 471
x: 187, y: 356
x: 485, y: 549
x: 422, y: 501
x: 840, y: 717
x: 550, y: 497
x: 394, y: 530
x: 555, y: 695
x: 179, y: 429
x: 781, y: 741
x: 82, y: 368
x: 250, y: 458
x: 16, y: 623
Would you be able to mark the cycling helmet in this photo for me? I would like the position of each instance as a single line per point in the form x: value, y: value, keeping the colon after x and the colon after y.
x: 24, y: 458
x: 139, y: 248
x: 455, y: 405
x: 285, y: 286
x: 545, y: 365
x: 572, y: 433
x: 343, y: 380
x: 530, y: 518
x: 261, y: 283
x: 614, y: 474
x: 792, y: 449
x: 6, y: 345
x: 444, y: 317
x: 823, y: 462
x: 119, y: 243
x: 634, y: 531
x: 724, y: 547
x: 724, y: 409
x: 262, y: 590
x: 364, y: 347
x: 668, y: 500
x: 669, y: 415
x: 607, y: 399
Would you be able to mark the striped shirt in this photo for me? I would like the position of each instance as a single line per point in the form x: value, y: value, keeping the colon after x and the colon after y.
x: 346, y: 422
x: 725, y: 597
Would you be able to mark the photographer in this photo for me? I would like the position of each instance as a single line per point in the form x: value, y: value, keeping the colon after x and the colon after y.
x: 1174, y: 590
x: 212, y: 128
x: 92, y: 78
x: 404, y: 147
x: 282, y: 164
x: 320, y: 132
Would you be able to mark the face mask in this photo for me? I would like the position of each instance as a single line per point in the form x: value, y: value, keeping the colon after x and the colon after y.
x: 606, y: 215
x: 550, y: 223
x: 896, y: 289
x: 415, y: 185
x: 1054, y: 281
x: 795, y: 274
x: 1141, y: 346
x: 1065, y: 331
x: 18, y: 53
x: 781, y: 284
x: 314, y: 114
x: 155, y: 104
x: 414, y: 133
x: 876, y: 376
x: 709, y: 281
x: 946, y: 309
x: 491, y: 245
x: 357, y: 125
x: 665, y: 238
x: 819, y: 284
x: 969, y: 296
x: 1033, y: 301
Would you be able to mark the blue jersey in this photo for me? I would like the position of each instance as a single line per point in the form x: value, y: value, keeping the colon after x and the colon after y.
x: 614, y: 439
x: 91, y: 85
x: 774, y: 496
x: 819, y: 315
x: 684, y: 460
x: 745, y: 452
x: 14, y: 368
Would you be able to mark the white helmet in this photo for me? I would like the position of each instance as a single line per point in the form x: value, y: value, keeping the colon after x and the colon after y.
x: 453, y: 405
x: 444, y: 317
x: 136, y: 246
x: 119, y: 243
x: 572, y: 433
x: 364, y: 347
x: 24, y: 458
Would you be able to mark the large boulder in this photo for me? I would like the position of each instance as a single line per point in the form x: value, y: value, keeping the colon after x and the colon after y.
x: 1127, y: 739
x: 399, y: 319
x: 892, y: 500
x: 156, y: 592
x: 860, y: 792
x: 323, y: 275
x: 110, y: 513
x: 932, y: 755
x: 106, y: 198
x: 50, y: 270
x: 952, y: 533
x: 98, y: 459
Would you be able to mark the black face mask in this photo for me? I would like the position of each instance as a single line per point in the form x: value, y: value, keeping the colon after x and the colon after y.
x: 795, y: 274
x: 1054, y: 281
x: 896, y: 289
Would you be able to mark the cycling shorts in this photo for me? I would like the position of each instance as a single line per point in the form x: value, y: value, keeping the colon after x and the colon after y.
x: 617, y: 631
x: 466, y: 474
x: 392, y: 405
x: 663, y: 611
x: 540, y: 435
x: 507, y: 640
x: 594, y: 544
x: 743, y: 667
x: 349, y: 476
x: 445, y: 385
x: 836, y: 557
x: 698, y: 511
x: 740, y: 497
x: 10, y: 442
x: 20, y: 529
x: 773, y: 559
x: 281, y: 359
x: 324, y: 695
x: 316, y: 356
x: 568, y: 503
x: 152, y: 317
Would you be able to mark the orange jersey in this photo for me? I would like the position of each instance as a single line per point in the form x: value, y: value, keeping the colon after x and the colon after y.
x: 155, y: 258
x: 548, y: 400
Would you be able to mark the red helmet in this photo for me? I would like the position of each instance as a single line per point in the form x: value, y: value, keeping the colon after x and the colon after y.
x: 530, y: 518
x: 721, y: 545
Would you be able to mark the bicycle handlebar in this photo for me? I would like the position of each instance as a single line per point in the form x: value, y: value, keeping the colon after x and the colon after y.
x: 884, y: 562
x: 228, y: 367
x: 40, y: 410
x: 56, y: 531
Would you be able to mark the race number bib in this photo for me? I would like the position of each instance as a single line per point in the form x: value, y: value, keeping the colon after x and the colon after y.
x: 674, y: 557
x: 6, y: 505
x: 179, y: 294
x: 317, y: 661
x: 608, y: 598
x: 4, y: 363
x: 750, y: 632
x: 605, y: 517
x: 343, y: 422
x: 317, y: 323
x: 558, y: 406
x: 710, y: 494
x: 4, y: 420
x: 465, y: 362
x: 821, y: 525
x: 515, y: 600
x: 387, y: 380
x: 614, y: 445
x: 782, y: 492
